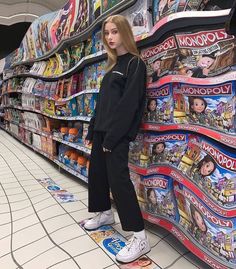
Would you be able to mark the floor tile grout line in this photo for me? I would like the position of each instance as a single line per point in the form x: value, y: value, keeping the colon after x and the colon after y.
x: 36, y: 256
x: 51, y: 266
x: 39, y: 217
x: 11, y: 240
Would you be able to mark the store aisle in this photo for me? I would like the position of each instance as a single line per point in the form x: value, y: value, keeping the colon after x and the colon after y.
x: 38, y: 232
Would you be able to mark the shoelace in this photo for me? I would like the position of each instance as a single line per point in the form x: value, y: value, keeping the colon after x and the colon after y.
x: 130, y: 243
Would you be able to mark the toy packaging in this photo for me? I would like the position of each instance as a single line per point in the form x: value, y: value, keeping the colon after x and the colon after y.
x: 212, y: 106
x: 160, y: 59
x: 88, y: 46
x: 211, y: 231
x: 139, y: 17
x: 205, y: 53
x: 53, y: 89
x: 80, y: 104
x: 139, y: 189
x: 90, y: 100
x: 49, y: 107
x: 138, y: 151
x: 100, y: 73
x: 81, y: 17
x: 212, y: 168
x: 77, y: 53
x: 72, y: 107
x: 108, y: 4
x: 85, y: 130
x: 159, y: 196
x: 188, y: 5
x: 159, y: 105
x: 162, y: 8
x: 97, y: 41
x: 96, y: 9
x: 90, y: 79
x: 167, y: 148
x: 61, y: 109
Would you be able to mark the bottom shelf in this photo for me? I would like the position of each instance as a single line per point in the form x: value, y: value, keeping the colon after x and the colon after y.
x: 181, y: 235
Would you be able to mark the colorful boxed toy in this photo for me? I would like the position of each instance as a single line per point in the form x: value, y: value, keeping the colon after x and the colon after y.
x: 90, y: 81
x: 139, y: 189
x: 108, y: 4
x: 208, y: 105
x: 80, y: 104
x: 159, y: 105
x: 96, y: 8
x: 97, y: 41
x: 90, y: 100
x: 212, y: 168
x: 61, y: 109
x: 88, y: 46
x: 139, y: 17
x: 205, y: 53
x: 72, y: 107
x: 138, y: 151
x: 53, y: 89
x: 167, y: 148
x: 209, y: 230
x: 160, y: 59
x: 162, y: 8
x: 49, y: 107
x: 100, y: 73
x: 159, y: 196
x: 77, y: 53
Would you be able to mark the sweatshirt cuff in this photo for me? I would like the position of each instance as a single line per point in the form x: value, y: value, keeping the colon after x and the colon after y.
x: 108, y: 144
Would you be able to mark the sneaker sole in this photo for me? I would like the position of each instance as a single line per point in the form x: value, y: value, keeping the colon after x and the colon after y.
x: 128, y: 261
x: 93, y: 229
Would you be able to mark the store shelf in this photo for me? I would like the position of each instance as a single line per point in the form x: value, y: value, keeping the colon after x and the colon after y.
x: 52, y: 158
x: 99, y: 56
x: 182, y: 20
x: 73, y: 145
x: 81, y: 118
x: 122, y: 5
x: 226, y: 139
x: 71, y: 171
x: 190, y: 244
x: 179, y: 177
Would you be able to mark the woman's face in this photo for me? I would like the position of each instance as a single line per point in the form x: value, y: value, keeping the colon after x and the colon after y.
x: 152, y: 197
x: 159, y: 148
x: 198, y: 105
x: 207, y: 168
x: 112, y: 36
x: 152, y: 106
x: 199, y: 221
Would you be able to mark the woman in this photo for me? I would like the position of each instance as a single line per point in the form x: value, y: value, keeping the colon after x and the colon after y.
x: 117, y: 118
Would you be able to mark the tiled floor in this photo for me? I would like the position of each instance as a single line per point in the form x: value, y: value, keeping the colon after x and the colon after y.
x: 37, y: 232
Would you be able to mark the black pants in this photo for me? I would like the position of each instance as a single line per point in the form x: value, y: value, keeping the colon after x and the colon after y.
x: 110, y: 171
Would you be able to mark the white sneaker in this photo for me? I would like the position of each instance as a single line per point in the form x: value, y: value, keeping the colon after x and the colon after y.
x: 135, y: 248
x: 102, y: 218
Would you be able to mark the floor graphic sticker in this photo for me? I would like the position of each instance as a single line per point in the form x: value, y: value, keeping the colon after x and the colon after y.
x: 61, y: 195
x: 112, y: 242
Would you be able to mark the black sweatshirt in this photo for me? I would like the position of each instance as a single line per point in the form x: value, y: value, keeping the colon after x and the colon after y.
x: 120, y: 102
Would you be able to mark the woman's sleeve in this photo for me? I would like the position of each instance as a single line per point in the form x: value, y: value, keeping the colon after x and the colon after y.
x: 129, y: 104
x: 92, y: 123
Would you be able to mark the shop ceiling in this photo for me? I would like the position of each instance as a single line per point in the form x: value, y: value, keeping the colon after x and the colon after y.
x: 14, y: 11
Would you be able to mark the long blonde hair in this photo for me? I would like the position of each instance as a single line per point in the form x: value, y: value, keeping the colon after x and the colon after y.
x: 126, y: 35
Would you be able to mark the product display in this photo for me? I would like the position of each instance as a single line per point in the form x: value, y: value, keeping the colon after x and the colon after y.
x: 182, y: 162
